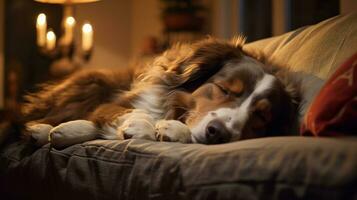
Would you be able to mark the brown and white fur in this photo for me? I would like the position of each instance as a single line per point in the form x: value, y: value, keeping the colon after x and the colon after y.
x: 208, y: 92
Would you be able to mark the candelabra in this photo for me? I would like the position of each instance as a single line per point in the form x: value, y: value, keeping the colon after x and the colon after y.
x: 64, y: 51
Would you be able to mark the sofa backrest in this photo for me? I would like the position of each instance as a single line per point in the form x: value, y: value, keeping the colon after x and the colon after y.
x: 318, y: 49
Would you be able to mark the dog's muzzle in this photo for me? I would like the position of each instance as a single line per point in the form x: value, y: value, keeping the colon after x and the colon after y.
x: 217, y: 132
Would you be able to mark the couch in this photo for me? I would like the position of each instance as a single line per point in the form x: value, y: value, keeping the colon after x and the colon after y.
x: 290, y: 167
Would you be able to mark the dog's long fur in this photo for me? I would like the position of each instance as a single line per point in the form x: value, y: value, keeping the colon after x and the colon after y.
x: 79, y: 95
x: 101, y: 96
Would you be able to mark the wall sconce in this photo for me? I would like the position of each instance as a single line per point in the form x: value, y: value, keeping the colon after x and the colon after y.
x: 64, y: 46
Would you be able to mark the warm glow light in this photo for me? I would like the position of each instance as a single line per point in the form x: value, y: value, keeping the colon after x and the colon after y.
x: 41, y: 19
x: 87, y: 37
x: 51, y: 40
x: 41, y: 28
x: 68, y: 30
x: 51, y: 35
x: 87, y: 28
x: 70, y: 21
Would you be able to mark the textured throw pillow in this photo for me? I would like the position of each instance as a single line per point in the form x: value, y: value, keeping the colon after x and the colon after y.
x: 334, y: 110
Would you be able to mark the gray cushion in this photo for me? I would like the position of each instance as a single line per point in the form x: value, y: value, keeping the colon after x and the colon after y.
x: 282, y: 167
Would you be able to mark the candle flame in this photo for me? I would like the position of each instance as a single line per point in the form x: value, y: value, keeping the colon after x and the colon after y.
x: 41, y: 19
x: 70, y: 21
x: 87, y: 28
x: 50, y: 35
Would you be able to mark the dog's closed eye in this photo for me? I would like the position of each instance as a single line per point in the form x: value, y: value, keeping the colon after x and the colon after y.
x: 223, y: 89
x: 212, y: 91
x: 235, y: 87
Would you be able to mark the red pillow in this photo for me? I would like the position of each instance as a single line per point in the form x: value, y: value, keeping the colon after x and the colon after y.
x: 334, y: 110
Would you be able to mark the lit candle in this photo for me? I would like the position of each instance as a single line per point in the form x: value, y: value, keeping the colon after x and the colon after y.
x: 41, y: 27
x: 51, y: 40
x: 87, y: 37
x: 68, y: 29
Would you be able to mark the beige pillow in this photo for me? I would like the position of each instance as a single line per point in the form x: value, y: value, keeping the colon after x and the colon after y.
x: 318, y: 49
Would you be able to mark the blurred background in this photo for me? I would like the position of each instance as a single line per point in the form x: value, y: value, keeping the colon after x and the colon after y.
x: 46, y: 40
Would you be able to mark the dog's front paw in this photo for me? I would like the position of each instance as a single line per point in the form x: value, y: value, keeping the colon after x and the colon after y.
x: 172, y: 131
x: 136, y: 124
x: 39, y: 133
x: 72, y: 132
x: 137, y: 128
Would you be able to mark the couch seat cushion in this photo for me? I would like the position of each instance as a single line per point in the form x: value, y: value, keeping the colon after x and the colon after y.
x: 280, y: 167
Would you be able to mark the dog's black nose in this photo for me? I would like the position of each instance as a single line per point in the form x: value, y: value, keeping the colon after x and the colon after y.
x: 216, y: 132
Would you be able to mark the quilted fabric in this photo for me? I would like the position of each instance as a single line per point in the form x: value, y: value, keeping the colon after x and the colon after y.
x: 268, y: 168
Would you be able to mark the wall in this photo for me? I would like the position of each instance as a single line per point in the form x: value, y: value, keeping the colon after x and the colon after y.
x: 111, y: 21
x: 145, y: 22
x: 278, y: 18
x: 223, y: 18
x: 131, y: 21
x: 347, y: 6
x: 120, y: 26
x: 2, y: 53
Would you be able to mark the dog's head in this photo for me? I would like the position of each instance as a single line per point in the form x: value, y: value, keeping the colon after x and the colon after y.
x: 241, y: 100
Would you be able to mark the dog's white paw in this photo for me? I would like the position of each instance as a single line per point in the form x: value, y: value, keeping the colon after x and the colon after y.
x: 134, y: 114
x: 172, y: 131
x: 39, y: 133
x: 137, y: 128
x: 72, y: 132
x: 136, y: 124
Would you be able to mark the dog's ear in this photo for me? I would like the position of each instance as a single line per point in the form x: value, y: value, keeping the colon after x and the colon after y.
x: 179, y: 103
x: 291, y: 85
x: 189, y: 66
x: 289, y: 99
x: 208, y: 58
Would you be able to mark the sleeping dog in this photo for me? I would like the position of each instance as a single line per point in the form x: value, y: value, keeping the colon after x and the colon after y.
x: 208, y: 92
